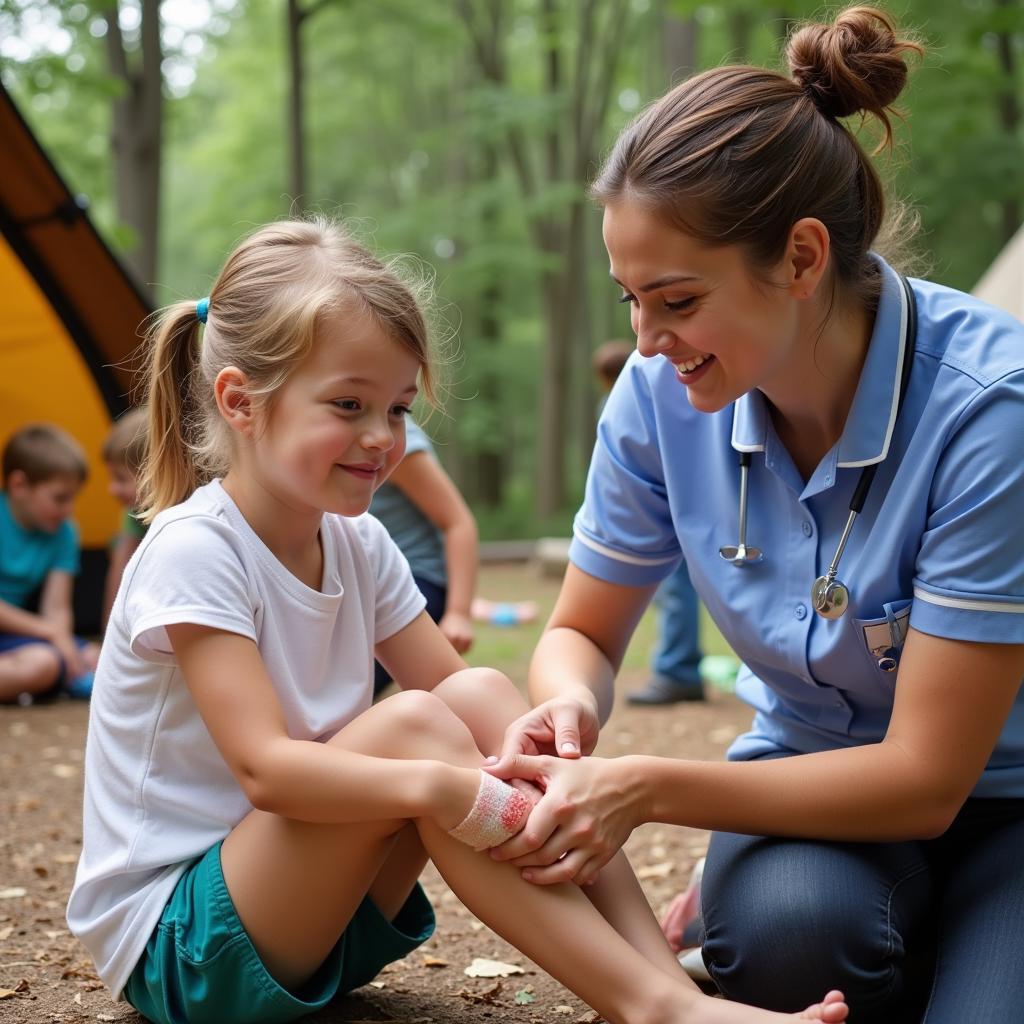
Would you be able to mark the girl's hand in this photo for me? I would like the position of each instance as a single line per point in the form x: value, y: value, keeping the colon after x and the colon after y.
x: 67, y: 648
x: 563, y: 726
x: 458, y: 630
x: 588, y: 810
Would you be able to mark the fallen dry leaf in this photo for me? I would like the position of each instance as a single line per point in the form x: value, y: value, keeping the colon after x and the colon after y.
x: 487, y: 996
x: 482, y: 968
x: 725, y: 734
x: 662, y: 870
x: 21, y: 989
x: 434, y: 961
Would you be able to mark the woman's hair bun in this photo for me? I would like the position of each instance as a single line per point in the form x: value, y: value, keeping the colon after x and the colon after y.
x: 855, y: 64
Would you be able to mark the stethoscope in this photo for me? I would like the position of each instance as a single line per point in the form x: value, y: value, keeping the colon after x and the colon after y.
x: 829, y: 595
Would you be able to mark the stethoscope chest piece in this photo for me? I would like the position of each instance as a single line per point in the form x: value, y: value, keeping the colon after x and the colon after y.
x: 829, y: 597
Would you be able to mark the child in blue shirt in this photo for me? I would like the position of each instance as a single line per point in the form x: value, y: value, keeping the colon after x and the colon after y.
x: 43, y: 470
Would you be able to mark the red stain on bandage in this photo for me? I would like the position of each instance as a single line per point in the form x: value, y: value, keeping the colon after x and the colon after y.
x: 515, y: 812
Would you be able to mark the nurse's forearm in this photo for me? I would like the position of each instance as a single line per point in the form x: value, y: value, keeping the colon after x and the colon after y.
x: 566, y: 663
x: 869, y: 793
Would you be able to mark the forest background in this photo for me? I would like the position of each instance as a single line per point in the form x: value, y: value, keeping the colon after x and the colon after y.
x: 463, y: 133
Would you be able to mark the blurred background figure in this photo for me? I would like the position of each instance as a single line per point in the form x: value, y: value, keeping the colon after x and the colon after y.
x: 433, y: 527
x: 124, y: 451
x: 675, y: 663
x: 44, y: 468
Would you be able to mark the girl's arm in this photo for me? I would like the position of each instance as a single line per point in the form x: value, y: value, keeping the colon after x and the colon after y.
x: 425, y: 483
x: 302, y: 779
x: 952, y: 701
x: 418, y: 657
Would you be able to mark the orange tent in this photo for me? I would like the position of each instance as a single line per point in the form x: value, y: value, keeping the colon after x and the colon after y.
x: 69, y: 324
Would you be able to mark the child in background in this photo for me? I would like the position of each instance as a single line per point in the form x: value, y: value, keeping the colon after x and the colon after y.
x: 43, y: 470
x: 254, y: 826
x: 607, y: 361
x: 427, y: 517
x: 124, y: 452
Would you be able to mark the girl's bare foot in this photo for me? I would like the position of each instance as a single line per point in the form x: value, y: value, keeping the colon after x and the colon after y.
x: 831, y: 1010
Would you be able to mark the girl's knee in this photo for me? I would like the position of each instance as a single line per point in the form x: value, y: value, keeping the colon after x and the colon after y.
x: 482, y: 684
x: 38, y: 666
x: 418, y: 723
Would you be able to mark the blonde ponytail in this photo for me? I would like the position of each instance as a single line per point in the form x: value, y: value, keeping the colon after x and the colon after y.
x: 169, y: 474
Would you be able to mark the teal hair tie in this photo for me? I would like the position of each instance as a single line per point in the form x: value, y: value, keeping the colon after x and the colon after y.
x: 203, y: 309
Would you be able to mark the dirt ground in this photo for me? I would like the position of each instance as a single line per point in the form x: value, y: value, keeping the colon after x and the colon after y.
x: 46, y: 976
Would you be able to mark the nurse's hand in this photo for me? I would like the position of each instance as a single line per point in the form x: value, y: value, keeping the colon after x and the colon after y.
x: 588, y: 810
x: 562, y: 726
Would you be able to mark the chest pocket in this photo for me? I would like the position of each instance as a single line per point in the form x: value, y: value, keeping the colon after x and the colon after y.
x: 884, y: 637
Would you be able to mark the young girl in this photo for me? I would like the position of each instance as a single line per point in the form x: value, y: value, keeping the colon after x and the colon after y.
x: 835, y: 452
x: 253, y: 828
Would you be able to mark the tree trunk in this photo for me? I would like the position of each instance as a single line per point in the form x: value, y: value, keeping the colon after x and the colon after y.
x: 597, y: 55
x: 296, y: 108
x: 679, y: 47
x: 1009, y: 118
x: 554, y: 390
x: 741, y: 23
x: 492, y: 456
x: 137, y: 139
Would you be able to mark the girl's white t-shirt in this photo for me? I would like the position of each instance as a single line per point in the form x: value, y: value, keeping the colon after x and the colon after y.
x: 158, y: 794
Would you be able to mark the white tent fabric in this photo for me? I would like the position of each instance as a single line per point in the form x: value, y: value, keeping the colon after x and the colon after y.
x: 1003, y: 283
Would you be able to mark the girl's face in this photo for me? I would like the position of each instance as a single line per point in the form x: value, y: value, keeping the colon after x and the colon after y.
x: 700, y: 308
x: 336, y: 429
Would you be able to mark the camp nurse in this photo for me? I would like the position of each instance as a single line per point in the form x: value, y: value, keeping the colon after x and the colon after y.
x: 836, y: 452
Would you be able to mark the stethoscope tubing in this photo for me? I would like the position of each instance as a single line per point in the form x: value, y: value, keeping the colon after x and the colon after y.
x: 829, y: 595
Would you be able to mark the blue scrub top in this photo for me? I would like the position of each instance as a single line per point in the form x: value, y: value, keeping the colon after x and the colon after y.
x: 940, y: 541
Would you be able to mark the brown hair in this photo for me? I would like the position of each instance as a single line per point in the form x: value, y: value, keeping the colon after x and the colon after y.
x: 609, y: 359
x: 126, y: 441
x: 737, y: 155
x: 42, y: 451
x: 264, y: 310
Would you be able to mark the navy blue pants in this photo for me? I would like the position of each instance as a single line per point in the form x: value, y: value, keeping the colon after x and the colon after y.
x: 923, y: 932
x: 437, y: 598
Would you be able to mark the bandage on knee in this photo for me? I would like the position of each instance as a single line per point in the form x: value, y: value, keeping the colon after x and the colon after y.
x: 497, y: 814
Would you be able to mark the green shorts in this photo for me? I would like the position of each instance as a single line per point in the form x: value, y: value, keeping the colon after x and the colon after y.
x: 200, y: 967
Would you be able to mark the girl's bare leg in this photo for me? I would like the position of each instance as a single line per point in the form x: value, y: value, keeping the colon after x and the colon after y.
x: 616, y: 893
x: 296, y: 885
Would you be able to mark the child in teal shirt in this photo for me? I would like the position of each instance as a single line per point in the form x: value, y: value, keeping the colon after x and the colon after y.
x: 43, y: 470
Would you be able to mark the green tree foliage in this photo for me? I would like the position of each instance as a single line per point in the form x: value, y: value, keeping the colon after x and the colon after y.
x: 450, y: 131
